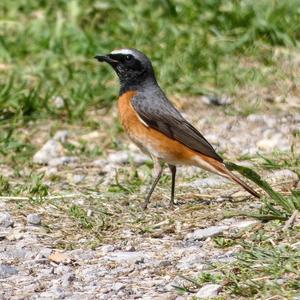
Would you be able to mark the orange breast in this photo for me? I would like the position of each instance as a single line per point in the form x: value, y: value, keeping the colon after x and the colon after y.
x: 150, y: 140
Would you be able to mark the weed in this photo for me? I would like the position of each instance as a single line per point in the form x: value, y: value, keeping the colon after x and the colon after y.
x: 277, y: 206
x: 264, y: 271
x: 80, y: 214
x: 222, y: 242
x: 4, y: 186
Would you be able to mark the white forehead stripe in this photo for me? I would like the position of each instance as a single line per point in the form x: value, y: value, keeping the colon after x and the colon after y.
x: 123, y: 51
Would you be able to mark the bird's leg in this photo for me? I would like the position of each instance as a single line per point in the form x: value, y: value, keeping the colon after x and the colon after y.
x: 157, y: 171
x: 173, y: 172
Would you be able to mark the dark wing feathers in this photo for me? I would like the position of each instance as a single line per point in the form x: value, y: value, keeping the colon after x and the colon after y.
x: 165, y: 118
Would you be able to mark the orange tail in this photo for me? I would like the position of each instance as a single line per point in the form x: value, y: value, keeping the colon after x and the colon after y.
x: 244, y: 185
x: 220, y: 169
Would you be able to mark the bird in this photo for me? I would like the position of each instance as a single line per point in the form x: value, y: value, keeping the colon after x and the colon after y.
x: 153, y: 123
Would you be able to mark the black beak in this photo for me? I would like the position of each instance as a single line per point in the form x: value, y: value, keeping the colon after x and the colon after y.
x: 106, y: 58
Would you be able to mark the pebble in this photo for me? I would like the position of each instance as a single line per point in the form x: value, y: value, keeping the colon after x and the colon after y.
x: 209, y: 182
x: 106, y: 249
x: 244, y: 224
x: 201, y: 234
x: 53, y: 293
x: 62, y: 269
x: 52, y: 149
x: 58, y: 102
x: 61, y: 136
x: 50, y: 171
x: 63, y: 160
x: 7, y: 271
x: 122, y: 157
x: 234, y: 223
x: 192, y: 262
x: 15, y: 235
x: 6, y: 220
x: 77, y: 178
x: 44, y: 253
x: 119, y: 157
x: 263, y: 119
x: 127, y: 257
x: 284, y: 174
x: 67, y: 279
x: 34, y: 219
x: 274, y: 142
x: 118, y: 286
x: 91, y: 136
x: 99, y: 163
x: 209, y: 291
x: 215, y: 100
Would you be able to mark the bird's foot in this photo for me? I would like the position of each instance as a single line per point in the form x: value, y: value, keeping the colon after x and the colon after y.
x: 145, y: 204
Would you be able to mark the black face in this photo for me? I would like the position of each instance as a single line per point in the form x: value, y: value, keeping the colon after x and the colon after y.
x: 124, y: 65
x: 132, y: 67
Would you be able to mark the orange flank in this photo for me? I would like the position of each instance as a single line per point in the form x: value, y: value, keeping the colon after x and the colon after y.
x: 155, y: 143
x: 150, y: 140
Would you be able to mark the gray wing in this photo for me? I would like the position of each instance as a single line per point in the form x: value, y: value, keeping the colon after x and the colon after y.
x: 160, y: 114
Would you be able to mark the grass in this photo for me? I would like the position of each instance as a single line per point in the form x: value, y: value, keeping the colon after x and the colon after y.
x: 265, y: 271
x: 47, y: 49
x: 277, y: 206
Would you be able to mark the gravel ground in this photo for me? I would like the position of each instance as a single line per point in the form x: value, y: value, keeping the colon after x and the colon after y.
x: 132, y: 265
x: 137, y: 267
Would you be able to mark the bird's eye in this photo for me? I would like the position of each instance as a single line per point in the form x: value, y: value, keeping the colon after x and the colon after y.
x: 128, y: 57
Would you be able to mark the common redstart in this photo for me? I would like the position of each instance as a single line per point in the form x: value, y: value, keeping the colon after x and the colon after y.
x: 156, y: 126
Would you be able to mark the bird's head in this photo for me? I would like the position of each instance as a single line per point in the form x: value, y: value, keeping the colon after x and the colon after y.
x: 133, y: 67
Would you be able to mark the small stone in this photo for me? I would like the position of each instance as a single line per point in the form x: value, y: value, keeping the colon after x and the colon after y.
x: 215, y: 100
x: 119, y: 157
x: 44, y: 253
x: 128, y: 257
x: 50, y: 171
x: 59, y: 257
x: 209, y: 182
x: 106, y: 249
x: 284, y: 174
x: 268, y: 120
x: 110, y: 169
x: 53, y: 293
x: 61, y: 136
x: 34, y: 219
x: 77, y: 178
x: 91, y: 136
x: 244, y: 224
x: 15, y: 235
x: 139, y: 158
x: 62, y: 269
x: 67, y: 279
x: 118, y: 286
x: 209, y: 291
x: 52, y: 149
x: 276, y: 141
x: 201, y: 234
x: 58, y: 102
x: 99, y: 163
x: 193, y: 261
x: 64, y: 160
x: 165, y: 263
x: 6, y: 220
x: 7, y: 271
x: 122, y: 157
